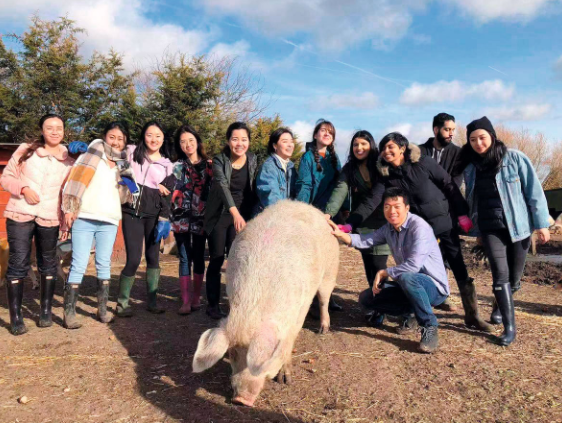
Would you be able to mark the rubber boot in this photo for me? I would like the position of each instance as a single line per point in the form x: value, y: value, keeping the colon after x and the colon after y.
x: 152, y: 281
x: 125, y: 285
x: 185, y: 282
x: 103, y: 315
x: 333, y: 306
x: 215, y: 312
x: 47, y: 288
x: 15, y: 298
x: 496, y: 316
x: 470, y: 305
x: 504, y: 298
x: 70, y: 298
x: 197, y: 285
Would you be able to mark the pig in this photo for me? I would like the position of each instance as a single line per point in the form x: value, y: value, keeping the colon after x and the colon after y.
x: 277, y: 264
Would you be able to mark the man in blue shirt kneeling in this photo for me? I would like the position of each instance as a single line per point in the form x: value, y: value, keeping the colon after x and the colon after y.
x: 419, y: 279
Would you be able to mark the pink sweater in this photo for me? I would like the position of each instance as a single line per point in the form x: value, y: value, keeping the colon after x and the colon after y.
x: 43, y: 173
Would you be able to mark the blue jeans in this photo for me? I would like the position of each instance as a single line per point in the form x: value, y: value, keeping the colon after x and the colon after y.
x: 191, y: 249
x: 412, y: 292
x: 83, y: 233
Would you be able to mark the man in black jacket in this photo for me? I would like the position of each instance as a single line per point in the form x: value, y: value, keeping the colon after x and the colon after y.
x: 441, y: 147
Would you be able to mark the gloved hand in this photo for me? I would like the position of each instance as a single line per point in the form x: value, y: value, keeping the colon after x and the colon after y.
x: 129, y: 183
x: 465, y: 223
x: 162, y: 230
x: 77, y: 147
x: 345, y: 228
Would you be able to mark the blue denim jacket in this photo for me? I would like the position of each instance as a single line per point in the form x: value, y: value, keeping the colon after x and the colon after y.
x: 273, y: 184
x: 521, y: 194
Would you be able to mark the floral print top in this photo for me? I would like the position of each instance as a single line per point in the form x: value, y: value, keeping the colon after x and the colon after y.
x: 189, y: 198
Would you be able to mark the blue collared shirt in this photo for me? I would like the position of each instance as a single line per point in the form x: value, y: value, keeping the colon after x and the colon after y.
x: 414, y: 248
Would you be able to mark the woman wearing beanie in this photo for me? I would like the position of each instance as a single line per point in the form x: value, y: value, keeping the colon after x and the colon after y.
x: 506, y: 204
x: 431, y: 191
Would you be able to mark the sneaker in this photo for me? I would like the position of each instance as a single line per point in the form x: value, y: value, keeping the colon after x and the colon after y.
x: 446, y: 305
x: 376, y: 319
x: 407, y: 324
x: 429, y: 339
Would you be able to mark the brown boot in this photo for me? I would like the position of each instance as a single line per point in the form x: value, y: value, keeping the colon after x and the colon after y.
x: 470, y: 305
x: 447, y: 305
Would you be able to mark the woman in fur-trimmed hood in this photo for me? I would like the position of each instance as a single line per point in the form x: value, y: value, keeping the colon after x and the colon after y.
x: 431, y: 191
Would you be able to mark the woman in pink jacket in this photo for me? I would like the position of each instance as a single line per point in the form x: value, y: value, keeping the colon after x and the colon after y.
x: 34, y: 177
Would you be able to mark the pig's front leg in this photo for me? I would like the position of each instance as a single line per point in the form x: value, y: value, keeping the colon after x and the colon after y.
x: 285, y: 375
x: 323, y: 300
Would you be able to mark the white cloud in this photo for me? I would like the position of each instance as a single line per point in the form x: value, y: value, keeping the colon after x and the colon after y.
x: 515, y: 10
x: 365, y: 101
x: 525, y: 112
x: 416, y: 133
x: 454, y: 91
x: 303, y: 130
x: 333, y: 24
x: 121, y: 24
x: 237, y: 49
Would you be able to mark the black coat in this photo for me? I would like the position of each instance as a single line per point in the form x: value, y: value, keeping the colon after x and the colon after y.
x: 430, y: 189
x: 220, y: 199
x: 449, y: 158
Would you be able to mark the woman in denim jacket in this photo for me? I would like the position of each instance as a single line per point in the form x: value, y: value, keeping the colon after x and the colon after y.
x: 506, y: 204
x: 277, y: 176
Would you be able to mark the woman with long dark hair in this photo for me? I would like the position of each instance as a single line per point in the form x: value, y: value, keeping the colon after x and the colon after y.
x: 359, y: 181
x: 319, y: 167
x: 229, y: 206
x: 193, y: 173
x: 146, y: 215
x: 431, y: 190
x: 277, y: 177
x: 34, y: 176
x: 95, y: 175
x: 507, y: 204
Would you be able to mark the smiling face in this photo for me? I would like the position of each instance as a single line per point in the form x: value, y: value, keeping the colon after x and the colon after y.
x: 153, y: 139
x: 52, y: 131
x: 395, y: 211
x: 324, y: 136
x: 361, y: 148
x: 285, y: 146
x: 480, y: 141
x: 116, y: 139
x: 188, y: 143
x: 393, y: 154
x: 239, y: 143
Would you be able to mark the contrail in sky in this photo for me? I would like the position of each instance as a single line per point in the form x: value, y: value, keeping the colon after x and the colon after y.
x: 503, y: 73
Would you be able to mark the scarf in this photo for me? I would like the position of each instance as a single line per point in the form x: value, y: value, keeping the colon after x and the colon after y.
x: 83, y: 171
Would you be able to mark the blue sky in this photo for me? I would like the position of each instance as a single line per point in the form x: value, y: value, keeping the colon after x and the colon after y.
x: 379, y: 65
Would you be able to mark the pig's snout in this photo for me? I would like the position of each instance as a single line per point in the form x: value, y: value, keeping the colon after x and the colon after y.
x: 240, y: 400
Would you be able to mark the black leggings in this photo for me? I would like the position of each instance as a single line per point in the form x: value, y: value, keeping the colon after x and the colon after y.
x: 507, y: 258
x: 20, y: 235
x: 450, y: 245
x: 137, y: 230
x: 220, y: 240
x: 372, y: 264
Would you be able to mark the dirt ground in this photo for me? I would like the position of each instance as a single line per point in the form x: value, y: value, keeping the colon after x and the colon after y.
x: 139, y: 369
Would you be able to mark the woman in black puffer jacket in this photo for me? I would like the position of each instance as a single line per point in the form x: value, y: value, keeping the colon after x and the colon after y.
x: 431, y: 190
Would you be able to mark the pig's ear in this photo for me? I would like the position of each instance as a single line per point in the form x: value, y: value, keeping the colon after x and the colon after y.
x: 212, y: 346
x: 264, y: 350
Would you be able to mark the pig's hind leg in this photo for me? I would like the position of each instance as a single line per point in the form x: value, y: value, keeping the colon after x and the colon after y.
x: 324, y: 294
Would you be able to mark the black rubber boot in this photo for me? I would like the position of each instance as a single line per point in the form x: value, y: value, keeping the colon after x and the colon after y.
x: 496, y: 316
x: 215, y: 312
x: 70, y: 298
x: 470, y: 305
x: 47, y: 288
x: 15, y: 298
x: 104, y: 316
x: 333, y: 306
x: 504, y: 298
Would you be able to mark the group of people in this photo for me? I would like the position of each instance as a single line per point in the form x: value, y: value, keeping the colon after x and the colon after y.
x: 396, y: 198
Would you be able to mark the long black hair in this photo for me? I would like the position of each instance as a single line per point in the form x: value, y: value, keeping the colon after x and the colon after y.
x: 188, y: 129
x: 140, y: 152
x: 274, y: 138
x: 330, y: 148
x: 493, y: 158
x: 40, y: 142
x: 117, y: 125
x: 352, y: 165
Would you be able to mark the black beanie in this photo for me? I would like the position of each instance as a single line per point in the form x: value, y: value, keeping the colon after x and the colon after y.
x: 482, y: 123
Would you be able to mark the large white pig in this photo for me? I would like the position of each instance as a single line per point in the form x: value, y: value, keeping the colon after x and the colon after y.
x: 276, y: 265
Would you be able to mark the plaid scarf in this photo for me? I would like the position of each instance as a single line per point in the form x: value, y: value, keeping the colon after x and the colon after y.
x: 83, y: 171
